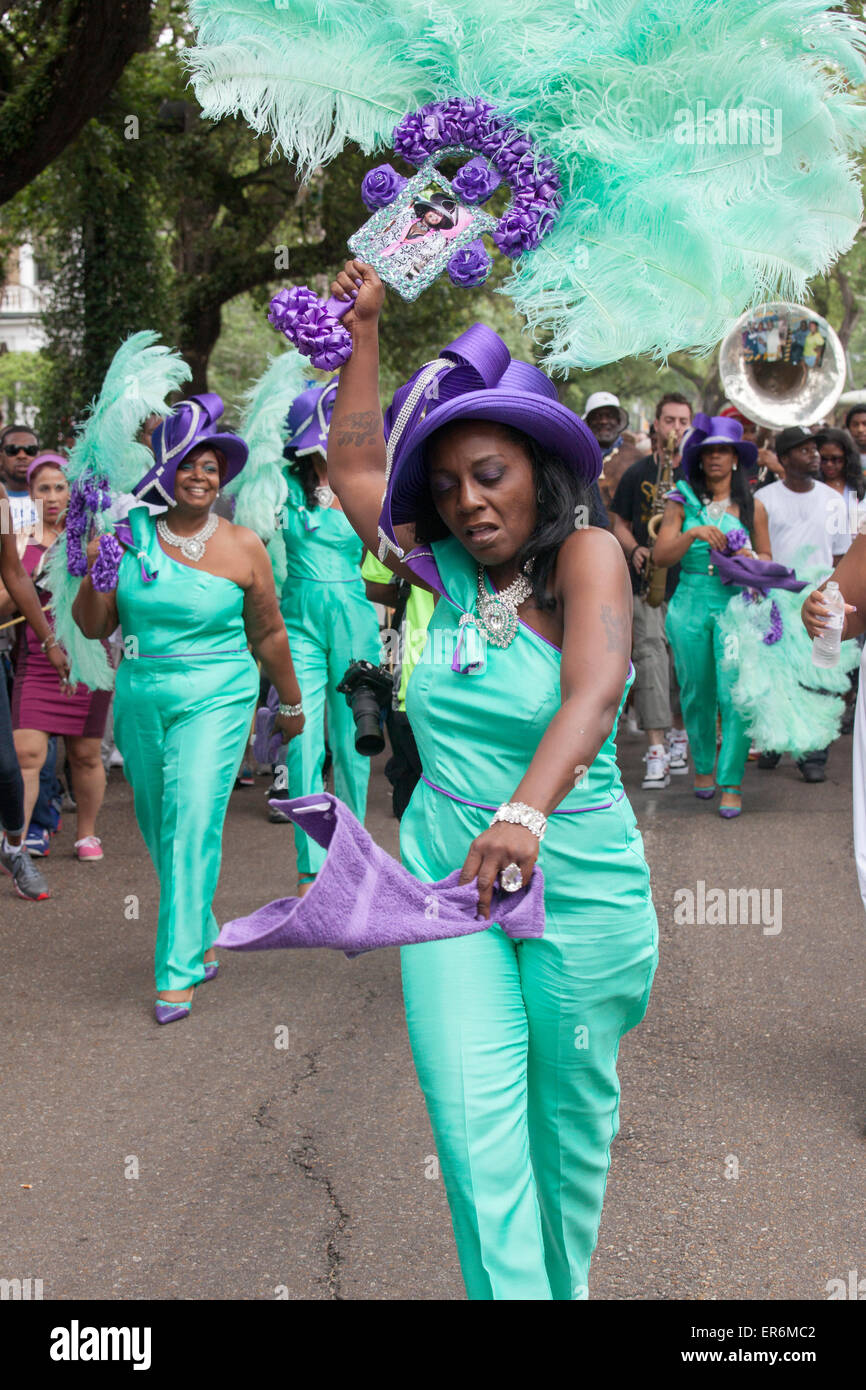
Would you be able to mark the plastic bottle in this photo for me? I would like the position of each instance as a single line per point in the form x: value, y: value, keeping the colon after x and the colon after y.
x: 827, y: 646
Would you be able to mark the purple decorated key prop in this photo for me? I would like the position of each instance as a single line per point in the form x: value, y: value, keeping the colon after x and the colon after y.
x: 425, y: 225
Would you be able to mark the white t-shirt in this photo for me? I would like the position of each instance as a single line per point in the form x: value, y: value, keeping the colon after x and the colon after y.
x: 806, y: 528
x: 24, y: 510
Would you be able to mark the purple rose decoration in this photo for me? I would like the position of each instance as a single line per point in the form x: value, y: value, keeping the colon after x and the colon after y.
x: 736, y: 539
x: 476, y: 181
x: 516, y: 232
x: 418, y: 135
x: 470, y: 265
x: 381, y: 186
x: 776, y: 626
x: 103, y: 576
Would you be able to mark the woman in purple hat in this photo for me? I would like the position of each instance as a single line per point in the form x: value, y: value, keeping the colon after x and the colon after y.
x: 42, y: 703
x: 329, y: 619
x: 711, y: 502
x: 514, y: 706
x: 193, y: 593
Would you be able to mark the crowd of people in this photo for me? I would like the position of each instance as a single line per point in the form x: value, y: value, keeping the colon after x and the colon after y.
x: 491, y: 523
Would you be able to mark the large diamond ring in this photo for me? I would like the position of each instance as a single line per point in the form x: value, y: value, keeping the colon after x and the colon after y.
x: 511, y: 878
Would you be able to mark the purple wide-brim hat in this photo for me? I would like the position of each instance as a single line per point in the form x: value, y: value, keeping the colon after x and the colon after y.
x: 474, y: 378
x: 190, y: 425
x: 716, y: 429
x: 309, y: 420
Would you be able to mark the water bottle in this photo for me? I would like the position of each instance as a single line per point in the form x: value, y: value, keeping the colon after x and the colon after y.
x: 826, y: 647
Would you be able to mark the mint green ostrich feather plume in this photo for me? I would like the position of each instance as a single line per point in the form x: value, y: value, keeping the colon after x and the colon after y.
x: 260, y: 488
x: 142, y: 374
x: 707, y: 148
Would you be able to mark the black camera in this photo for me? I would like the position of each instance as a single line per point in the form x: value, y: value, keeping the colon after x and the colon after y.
x: 368, y: 690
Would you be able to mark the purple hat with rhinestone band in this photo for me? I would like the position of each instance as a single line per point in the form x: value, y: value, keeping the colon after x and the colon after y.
x: 718, y: 429
x: 473, y: 378
x: 190, y: 425
x: 309, y: 419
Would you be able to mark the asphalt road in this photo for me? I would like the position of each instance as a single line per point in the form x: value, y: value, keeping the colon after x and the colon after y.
x: 275, y: 1145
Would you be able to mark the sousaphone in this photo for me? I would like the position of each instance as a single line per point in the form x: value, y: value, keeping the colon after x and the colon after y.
x: 782, y: 364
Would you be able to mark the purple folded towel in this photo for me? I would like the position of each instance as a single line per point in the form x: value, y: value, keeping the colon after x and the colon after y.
x: 362, y: 898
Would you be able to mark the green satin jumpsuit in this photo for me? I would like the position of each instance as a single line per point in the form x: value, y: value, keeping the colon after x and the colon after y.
x: 693, y: 632
x: 515, y: 1043
x: 185, y: 694
x: 331, y: 623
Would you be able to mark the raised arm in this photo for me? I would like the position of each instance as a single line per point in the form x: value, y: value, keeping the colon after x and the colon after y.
x: 356, y: 441
x: 95, y: 611
x: 593, y: 583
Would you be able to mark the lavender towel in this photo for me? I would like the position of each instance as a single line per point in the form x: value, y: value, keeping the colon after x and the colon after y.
x: 362, y: 898
x: 754, y: 573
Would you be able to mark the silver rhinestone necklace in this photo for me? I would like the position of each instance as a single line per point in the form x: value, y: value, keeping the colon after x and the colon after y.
x: 497, y: 613
x: 193, y: 547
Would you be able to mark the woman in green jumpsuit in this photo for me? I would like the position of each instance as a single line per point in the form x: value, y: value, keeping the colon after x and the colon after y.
x: 190, y: 596
x: 329, y: 619
x: 712, y: 499
x: 514, y: 706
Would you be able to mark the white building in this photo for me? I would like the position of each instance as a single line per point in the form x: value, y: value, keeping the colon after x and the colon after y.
x: 21, y: 304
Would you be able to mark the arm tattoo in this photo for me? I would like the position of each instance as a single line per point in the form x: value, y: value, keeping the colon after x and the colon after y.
x: 357, y: 428
x: 616, y: 628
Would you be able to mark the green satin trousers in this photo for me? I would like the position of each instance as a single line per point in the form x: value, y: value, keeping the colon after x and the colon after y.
x: 705, y: 687
x: 182, y: 726
x: 515, y: 1044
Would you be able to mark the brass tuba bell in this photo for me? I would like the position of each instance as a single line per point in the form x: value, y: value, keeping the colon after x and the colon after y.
x: 782, y: 364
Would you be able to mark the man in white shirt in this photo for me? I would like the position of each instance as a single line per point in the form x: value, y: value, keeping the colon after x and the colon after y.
x: 808, y: 522
x: 808, y: 531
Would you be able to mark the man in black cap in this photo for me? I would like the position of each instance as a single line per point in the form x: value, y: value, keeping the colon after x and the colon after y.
x: 808, y: 530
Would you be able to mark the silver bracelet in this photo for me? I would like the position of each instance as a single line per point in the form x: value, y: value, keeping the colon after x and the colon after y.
x: 518, y: 813
x: 291, y: 710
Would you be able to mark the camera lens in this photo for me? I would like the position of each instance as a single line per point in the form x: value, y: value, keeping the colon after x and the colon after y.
x: 369, y: 738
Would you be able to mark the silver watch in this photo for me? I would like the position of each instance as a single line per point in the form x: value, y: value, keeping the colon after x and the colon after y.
x: 518, y: 813
x: 291, y: 710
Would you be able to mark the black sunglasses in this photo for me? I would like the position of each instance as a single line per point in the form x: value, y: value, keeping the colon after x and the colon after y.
x: 31, y: 450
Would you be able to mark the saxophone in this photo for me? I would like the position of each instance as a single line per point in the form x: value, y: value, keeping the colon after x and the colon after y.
x: 654, y: 577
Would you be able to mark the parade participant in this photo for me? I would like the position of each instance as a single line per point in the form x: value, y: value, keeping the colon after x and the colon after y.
x: 839, y: 462
x: 18, y: 448
x: 413, y: 609
x: 190, y: 593
x: 855, y: 423
x: 658, y: 714
x: 515, y: 1044
x: 609, y: 422
x: 329, y: 619
x: 809, y: 532
x: 14, y: 858
x: 43, y: 704
x: 711, y: 499
x: 850, y: 575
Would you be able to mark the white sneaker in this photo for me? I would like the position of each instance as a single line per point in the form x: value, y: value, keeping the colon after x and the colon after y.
x: 677, y: 744
x: 656, y: 768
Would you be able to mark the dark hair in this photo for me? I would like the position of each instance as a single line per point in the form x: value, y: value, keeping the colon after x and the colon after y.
x: 673, y: 398
x: 560, y: 492
x: 304, y: 469
x: 17, y: 429
x: 222, y: 461
x: 853, y: 469
x: 855, y: 410
x: 741, y: 493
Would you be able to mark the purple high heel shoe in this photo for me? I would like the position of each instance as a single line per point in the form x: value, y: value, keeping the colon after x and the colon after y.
x: 730, y: 812
x: 211, y: 970
x: 171, y: 1010
x: 704, y: 793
